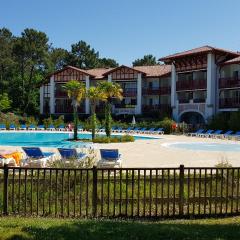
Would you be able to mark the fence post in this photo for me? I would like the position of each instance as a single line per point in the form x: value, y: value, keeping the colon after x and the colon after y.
x: 94, y: 192
x: 181, y: 189
x: 5, y: 190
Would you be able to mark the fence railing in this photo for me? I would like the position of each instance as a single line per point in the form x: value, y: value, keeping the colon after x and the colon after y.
x: 126, y: 192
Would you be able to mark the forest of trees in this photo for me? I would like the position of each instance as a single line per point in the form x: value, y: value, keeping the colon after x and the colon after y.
x: 27, y: 59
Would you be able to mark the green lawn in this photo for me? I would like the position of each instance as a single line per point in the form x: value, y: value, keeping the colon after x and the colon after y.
x: 39, y: 228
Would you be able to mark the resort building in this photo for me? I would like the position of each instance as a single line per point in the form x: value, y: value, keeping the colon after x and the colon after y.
x: 194, y: 85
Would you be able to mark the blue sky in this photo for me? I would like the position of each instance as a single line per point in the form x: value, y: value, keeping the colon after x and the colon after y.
x: 128, y: 29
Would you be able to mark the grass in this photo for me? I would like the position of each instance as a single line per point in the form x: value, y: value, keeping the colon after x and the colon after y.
x: 40, y: 228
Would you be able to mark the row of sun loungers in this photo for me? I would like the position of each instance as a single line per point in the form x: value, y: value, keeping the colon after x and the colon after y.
x: 39, y: 127
x: 135, y: 130
x: 215, y: 134
x: 35, y: 157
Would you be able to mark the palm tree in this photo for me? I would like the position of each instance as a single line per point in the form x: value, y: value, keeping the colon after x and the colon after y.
x: 76, y: 91
x: 111, y: 91
x: 94, y: 94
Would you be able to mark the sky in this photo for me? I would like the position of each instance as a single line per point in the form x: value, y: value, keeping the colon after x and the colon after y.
x: 128, y: 29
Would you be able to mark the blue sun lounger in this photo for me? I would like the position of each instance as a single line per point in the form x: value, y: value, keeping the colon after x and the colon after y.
x: 61, y: 128
x: 23, y: 127
x: 199, y: 131
x: 215, y: 134
x: 40, y: 127
x: 110, y: 157
x: 141, y: 131
x: 226, y: 134
x: 12, y: 127
x: 68, y: 153
x: 206, y: 133
x: 150, y: 131
x: 32, y: 127
x: 51, y: 127
x: 36, y: 158
x: 3, y: 127
x: 159, y: 131
x: 128, y: 129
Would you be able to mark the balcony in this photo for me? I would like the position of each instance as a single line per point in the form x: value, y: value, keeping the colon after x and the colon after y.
x: 67, y: 108
x: 157, y: 91
x: 229, y: 103
x: 183, y: 85
x: 125, y: 109
x: 129, y: 92
x: 158, y: 107
x: 229, y: 82
x: 60, y: 94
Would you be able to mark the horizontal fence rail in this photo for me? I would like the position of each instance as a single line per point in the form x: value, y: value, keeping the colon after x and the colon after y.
x: 124, y: 192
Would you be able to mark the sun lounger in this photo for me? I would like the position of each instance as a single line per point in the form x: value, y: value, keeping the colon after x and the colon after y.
x: 3, y: 127
x: 70, y: 153
x: 51, y: 127
x: 135, y: 130
x: 32, y: 127
x: 128, y: 130
x: 206, y: 134
x: 61, y: 128
x: 215, y: 134
x: 9, y: 161
x: 159, y: 131
x: 150, y: 131
x: 141, y: 131
x: 23, y: 127
x: 199, y: 131
x: 118, y: 130
x: 12, y: 127
x: 226, y: 134
x: 80, y: 128
x: 110, y: 158
x: 36, y: 158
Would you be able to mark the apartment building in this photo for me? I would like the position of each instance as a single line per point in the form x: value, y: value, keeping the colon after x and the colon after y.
x: 194, y: 85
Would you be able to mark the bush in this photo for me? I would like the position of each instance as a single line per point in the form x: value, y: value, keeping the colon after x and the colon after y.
x: 116, y: 139
x: 59, y: 121
x: 234, y: 121
x: 48, y: 121
x: 219, y: 121
x: 9, y: 118
x: 30, y: 120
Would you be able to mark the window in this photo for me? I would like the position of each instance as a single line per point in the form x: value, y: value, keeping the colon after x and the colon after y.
x: 150, y: 102
x: 150, y: 85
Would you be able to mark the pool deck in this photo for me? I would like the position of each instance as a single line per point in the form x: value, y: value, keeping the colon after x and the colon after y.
x: 152, y: 152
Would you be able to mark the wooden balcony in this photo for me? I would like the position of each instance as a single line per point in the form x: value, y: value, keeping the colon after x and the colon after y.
x: 129, y: 92
x: 183, y: 85
x: 229, y: 103
x: 229, y: 82
x: 67, y: 108
x: 60, y: 94
x: 157, y: 91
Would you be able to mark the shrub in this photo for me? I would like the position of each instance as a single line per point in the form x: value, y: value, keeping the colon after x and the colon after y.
x: 30, y: 120
x: 9, y: 118
x: 219, y: 121
x: 234, y: 121
x: 167, y: 124
x: 59, y: 121
x: 48, y: 121
x: 116, y: 139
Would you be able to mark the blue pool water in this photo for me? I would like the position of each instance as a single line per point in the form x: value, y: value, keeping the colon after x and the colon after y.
x: 42, y: 139
x: 200, y: 146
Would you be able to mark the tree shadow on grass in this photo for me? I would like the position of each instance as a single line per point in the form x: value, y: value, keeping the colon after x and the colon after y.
x: 116, y: 230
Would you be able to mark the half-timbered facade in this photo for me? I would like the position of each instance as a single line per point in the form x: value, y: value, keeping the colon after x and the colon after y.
x: 194, y: 85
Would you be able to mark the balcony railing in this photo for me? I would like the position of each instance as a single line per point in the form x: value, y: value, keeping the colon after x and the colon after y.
x: 191, y: 84
x: 129, y: 92
x: 60, y: 94
x: 157, y: 107
x: 157, y: 91
x: 64, y: 108
x: 229, y: 103
x: 195, y: 100
x: 229, y: 82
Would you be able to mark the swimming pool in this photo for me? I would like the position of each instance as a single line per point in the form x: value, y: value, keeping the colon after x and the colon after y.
x: 45, y: 139
x: 204, y: 146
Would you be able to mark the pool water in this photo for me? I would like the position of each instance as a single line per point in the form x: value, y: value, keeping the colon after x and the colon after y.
x: 43, y: 139
x: 201, y: 146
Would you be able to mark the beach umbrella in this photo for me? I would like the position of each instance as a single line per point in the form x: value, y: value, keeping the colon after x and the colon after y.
x: 133, y: 121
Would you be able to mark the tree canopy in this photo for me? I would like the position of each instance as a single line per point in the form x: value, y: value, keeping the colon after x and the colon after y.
x: 147, y: 60
x: 26, y: 60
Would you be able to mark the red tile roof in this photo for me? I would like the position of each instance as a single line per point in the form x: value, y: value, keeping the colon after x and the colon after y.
x: 199, y: 50
x: 232, y: 61
x: 155, y: 71
x: 98, y: 72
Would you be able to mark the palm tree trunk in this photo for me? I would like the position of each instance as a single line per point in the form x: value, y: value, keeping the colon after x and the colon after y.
x: 108, y: 119
x: 93, y: 121
x: 75, y: 115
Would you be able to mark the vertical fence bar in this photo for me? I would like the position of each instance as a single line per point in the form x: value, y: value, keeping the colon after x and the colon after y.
x: 5, y: 190
x: 181, y: 189
x: 94, y: 192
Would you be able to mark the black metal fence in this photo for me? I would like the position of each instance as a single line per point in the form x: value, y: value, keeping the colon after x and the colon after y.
x: 125, y: 192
